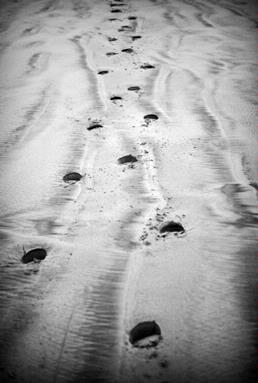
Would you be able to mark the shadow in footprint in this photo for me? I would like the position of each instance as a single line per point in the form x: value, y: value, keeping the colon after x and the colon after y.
x: 101, y: 72
x: 145, y: 334
x: 111, y: 54
x: 254, y: 185
x: 125, y: 28
x: 150, y: 117
x: 132, y: 18
x: 129, y: 159
x: 112, y: 39
x: 117, y: 5
x: 112, y: 19
x: 172, y: 227
x: 95, y: 126
x: 116, y: 11
x: 127, y: 50
x: 115, y: 98
x: 147, y: 66
x: 135, y: 37
x: 34, y: 255
x: 133, y: 88
x: 72, y: 177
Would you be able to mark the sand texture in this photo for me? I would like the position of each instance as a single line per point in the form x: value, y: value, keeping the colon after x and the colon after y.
x: 128, y: 154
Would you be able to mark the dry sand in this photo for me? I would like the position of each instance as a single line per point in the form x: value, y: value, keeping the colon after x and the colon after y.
x: 68, y: 317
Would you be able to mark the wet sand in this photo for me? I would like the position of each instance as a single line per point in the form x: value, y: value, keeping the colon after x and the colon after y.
x: 152, y: 104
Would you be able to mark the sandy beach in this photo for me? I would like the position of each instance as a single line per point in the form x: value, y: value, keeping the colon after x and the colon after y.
x: 128, y: 156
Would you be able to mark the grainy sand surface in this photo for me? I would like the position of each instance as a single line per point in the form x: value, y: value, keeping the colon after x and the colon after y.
x: 77, y: 80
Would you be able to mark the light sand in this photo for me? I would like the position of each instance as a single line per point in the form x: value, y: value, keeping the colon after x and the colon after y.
x: 68, y: 318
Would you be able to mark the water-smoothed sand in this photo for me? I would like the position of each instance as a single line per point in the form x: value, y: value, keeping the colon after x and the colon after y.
x: 171, y: 86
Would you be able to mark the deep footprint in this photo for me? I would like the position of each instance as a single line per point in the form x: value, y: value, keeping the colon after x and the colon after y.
x: 126, y: 27
x: 72, y: 177
x: 150, y: 117
x: 115, y: 98
x: 116, y: 5
x: 136, y: 37
x: 132, y: 18
x: 34, y: 254
x: 116, y: 11
x: 127, y: 50
x: 147, y: 66
x: 145, y: 334
x: 134, y: 88
x: 172, y: 227
x: 111, y: 54
x: 254, y: 185
x: 95, y: 126
x: 103, y: 72
x: 127, y: 159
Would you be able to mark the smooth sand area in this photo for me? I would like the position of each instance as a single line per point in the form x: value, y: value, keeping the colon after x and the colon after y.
x: 128, y: 160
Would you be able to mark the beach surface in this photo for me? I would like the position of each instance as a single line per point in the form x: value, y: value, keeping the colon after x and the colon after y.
x: 153, y: 104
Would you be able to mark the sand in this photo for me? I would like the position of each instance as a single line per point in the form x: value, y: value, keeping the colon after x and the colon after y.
x: 169, y: 88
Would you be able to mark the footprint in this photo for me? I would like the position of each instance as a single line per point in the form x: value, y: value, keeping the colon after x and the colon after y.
x: 134, y: 88
x: 117, y: 5
x: 116, y: 11
x: 145, y: 334
x: 147, y: 66
x: 35, y: 254
x: 132, y: 18
x: 150, y: 117
x: 127, y: 50
x: 95, y: 126
x: 254, y: 185
x: 115, y: 98
x: 111, y: 54
x: 72, y: 177
x: 136, y: 37
x: 126, y: 27
x: 103, y: 72
x: 164, y: 364
x: 172, y: 227
x: 127, y: 159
